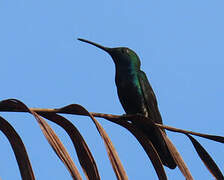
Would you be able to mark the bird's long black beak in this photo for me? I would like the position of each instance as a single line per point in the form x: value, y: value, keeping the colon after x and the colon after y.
x: 95, y: 44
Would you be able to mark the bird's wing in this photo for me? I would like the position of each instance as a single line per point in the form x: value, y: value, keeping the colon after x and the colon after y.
x: 150, y: 98
x: 154, y: 134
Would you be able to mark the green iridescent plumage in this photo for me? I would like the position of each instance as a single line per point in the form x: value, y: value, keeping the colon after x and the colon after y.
x: 137, y: 96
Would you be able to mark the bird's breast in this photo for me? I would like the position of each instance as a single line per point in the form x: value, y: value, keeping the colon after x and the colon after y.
x: 130, y: 93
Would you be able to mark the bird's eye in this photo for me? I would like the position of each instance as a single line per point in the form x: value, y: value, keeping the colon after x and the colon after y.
x: 125, y: 51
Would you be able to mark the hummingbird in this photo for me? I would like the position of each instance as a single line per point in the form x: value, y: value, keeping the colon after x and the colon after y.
x: 136, y: 95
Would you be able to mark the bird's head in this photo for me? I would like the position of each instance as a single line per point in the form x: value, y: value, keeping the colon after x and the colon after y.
x: 122, y: 56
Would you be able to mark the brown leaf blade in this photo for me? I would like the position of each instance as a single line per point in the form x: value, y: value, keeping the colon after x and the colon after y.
x: 84, y: 155
x: 207, y: 136
x: 144, y: 141
x: 18, y: 149
x: 112, y: 154
x: 50, y: 135
x: 206, y: 159
x: 4, y: 106
x: 177, y: 157
x: 58, y: 147
x: 151, y: 152
x: 213, y: 137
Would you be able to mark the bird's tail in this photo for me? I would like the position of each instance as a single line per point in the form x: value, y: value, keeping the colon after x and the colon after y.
x: 155, y: 136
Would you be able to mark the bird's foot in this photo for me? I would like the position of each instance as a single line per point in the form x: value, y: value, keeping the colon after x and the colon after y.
x: 130, y: 117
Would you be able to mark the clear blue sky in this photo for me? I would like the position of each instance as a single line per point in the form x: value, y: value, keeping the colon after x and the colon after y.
x: 180, y: 44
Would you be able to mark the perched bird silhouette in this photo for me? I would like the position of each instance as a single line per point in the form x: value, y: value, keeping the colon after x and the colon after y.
x: 137, y: 96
